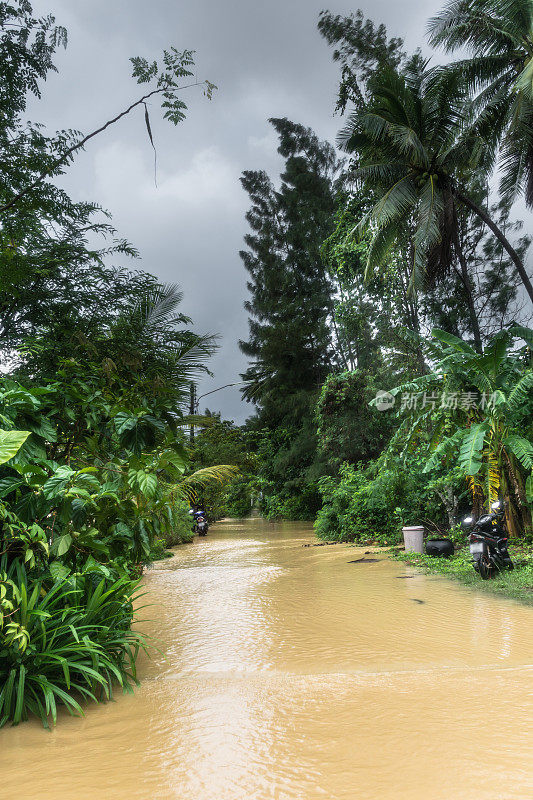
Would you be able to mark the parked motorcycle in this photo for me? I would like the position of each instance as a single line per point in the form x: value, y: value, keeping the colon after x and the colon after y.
x: 488, y: 539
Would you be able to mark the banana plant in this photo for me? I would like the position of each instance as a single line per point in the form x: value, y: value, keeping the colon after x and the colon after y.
x: 476, y: 413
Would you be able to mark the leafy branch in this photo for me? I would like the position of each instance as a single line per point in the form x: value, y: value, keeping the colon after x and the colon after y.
x: 176, y: 66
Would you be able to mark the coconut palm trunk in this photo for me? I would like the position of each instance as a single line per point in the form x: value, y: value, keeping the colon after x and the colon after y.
x: 505, y: 243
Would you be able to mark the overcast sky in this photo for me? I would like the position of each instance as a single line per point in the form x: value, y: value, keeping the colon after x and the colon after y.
x: 268, y: 60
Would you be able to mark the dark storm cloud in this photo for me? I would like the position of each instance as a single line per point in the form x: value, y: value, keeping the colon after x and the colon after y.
x: 268, y: 60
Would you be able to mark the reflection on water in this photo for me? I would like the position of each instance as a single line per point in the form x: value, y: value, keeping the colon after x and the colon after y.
x: 288, y: 673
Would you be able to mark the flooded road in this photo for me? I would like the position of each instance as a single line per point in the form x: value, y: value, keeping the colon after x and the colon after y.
x: 291, y: 673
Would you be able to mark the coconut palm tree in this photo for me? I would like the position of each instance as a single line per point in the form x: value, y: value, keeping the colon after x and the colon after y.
x: 498, y: 34
x: 149, y: 340
x: 414, y: 149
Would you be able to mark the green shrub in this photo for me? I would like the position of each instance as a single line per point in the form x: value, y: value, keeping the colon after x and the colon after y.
x: 353, y: 511
x: 182, y: 523
x: 303, y: 504
x: 238, y: 498
x: 372, y: 504
x: 159, y: 551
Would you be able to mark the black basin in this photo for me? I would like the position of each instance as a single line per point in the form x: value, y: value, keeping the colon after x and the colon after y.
x: 440, y: 547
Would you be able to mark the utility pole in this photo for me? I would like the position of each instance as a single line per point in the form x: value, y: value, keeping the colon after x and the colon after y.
x: 195, y: 402
x: 192, y: 411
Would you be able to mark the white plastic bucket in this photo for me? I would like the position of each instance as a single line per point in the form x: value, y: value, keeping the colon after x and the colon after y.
x: 413, y: 537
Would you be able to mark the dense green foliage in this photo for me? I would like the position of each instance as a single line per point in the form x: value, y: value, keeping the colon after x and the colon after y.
x: 391, y: 271
x: 93, y: 479
x: 95, y: 476
x: 422, y: 157
x: 474, y: 413
x: 65, y: 642
x: 290, y: 308
x: 349, y: 429
x: 223, y: 442
x: 414, y: 246
x: 371, y: 505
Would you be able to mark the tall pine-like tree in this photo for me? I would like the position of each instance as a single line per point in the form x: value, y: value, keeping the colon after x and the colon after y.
x: 290, y: 343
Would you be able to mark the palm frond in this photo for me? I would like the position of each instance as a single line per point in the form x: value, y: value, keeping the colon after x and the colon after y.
x: 202, y: 478
x: 479, y: 25
x: 395, y: 203
x: 159, y: 306
x: 380, y: 248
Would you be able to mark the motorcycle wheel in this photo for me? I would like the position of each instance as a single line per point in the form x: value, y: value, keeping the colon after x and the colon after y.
x: 487, y: 570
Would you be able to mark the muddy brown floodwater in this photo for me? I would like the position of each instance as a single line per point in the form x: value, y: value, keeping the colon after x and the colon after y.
x: 288, y: 672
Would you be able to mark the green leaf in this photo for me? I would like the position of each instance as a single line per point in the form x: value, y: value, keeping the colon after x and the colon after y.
x: 10, y: 443
x: 62, y: 544
x: 521, y: 391
x: 452, y: 341
x: 59, y: 571
x: 8, y: 485
x: 443, y: 449
x: 58, y: 482
x: 521, y: 448
x: 521, y: 332
x: 471, y: 448
x: 124, y: 422
x: 176, y: 460
x: 19, y: 706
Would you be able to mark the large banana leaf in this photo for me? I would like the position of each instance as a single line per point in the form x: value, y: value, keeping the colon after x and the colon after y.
x: 521, y: 332
x: 470, y: 453
x: 521, y: 448
x: 452, y: 341
x: 521, y: 391
x: 444, y: 448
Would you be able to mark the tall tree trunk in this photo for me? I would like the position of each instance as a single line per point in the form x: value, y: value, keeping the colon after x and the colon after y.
x: 192, y: 410
x: 514, y: 481
x: 506, y: 244
x: 410, y: 304
x: 467, y: 283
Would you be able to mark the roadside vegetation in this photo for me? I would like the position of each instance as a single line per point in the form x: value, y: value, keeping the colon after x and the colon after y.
x: 95, y: 475
x: 398, y: 266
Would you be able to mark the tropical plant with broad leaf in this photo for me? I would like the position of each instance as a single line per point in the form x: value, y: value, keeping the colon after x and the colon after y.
x: 474, y: 413
x: 94, y: 471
